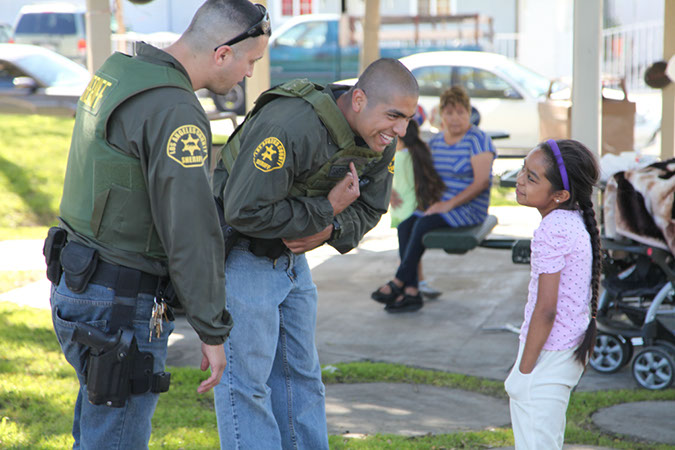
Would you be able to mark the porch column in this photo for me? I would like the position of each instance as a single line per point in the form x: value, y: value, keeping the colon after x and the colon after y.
x: 371, y: 30
x: 99, y: 45
x: 260, y: 81
x: 668, y: 93
x: 586, y: 83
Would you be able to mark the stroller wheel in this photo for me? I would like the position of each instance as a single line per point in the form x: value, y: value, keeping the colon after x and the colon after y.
x: 654, y: 367
x: 611, y: 353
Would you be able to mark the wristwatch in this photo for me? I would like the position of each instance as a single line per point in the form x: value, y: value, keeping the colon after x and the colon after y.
x: 336, y: 229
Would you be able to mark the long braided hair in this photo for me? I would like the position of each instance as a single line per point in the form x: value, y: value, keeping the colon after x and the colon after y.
x: 583, y: 173
x: 429, y: 186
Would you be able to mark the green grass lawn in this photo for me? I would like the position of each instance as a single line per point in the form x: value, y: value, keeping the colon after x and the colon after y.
x: 32, y: 167
x: 38, y: 390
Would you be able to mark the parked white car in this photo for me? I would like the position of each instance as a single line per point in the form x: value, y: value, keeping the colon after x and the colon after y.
x: 35, y: 80
x: 504, y: 92
x: 55, y: 26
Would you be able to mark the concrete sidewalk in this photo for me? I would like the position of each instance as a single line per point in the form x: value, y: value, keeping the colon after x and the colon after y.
x: 468, y: 330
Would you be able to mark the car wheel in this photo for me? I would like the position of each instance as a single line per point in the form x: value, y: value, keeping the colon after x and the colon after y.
x: 610, y: 353
x: 235, y: 100
x: 653, y: 368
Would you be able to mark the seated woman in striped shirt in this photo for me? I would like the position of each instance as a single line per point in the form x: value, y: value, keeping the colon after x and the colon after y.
x: 463, y: 157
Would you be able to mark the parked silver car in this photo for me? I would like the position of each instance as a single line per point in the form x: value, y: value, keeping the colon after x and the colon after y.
x: 34, y: 80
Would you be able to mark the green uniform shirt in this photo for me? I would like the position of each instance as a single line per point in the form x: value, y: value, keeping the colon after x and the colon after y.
x: 284, y: 142
x: 183, y: 209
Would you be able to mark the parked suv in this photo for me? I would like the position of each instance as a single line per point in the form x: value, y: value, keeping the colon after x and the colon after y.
x: 56, y: 26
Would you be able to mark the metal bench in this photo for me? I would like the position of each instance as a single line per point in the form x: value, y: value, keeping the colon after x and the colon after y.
x: 460, y: 240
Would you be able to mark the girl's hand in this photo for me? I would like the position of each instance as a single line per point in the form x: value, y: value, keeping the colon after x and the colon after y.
x: 437, y: 208
x: 395, y: 200
x: 525, y: 369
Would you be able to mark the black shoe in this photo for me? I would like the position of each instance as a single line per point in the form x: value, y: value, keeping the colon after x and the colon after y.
x: 389, y: 298
x: 409, y: 303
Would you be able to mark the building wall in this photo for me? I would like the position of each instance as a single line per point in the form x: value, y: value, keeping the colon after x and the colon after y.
x: 545, y: 43
x: 503, y: 13
x: 160, y: 15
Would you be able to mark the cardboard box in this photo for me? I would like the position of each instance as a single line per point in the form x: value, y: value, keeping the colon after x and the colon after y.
x: 618, y: 122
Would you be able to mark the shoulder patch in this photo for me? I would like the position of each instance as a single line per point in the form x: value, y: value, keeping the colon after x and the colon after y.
x: 187, y: 146
x: 390, y: 167
x: 269, y: 155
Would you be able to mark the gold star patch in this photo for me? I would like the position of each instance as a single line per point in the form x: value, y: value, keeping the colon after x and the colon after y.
x: 187, y: 146
x: 269, y: 155
x: 390, y: 167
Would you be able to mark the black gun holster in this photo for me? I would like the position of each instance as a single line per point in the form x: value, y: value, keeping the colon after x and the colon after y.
x: 230, y: 235
x: 116, y: 368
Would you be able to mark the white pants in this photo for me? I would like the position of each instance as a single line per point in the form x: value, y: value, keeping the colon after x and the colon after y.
x: 538, y: 400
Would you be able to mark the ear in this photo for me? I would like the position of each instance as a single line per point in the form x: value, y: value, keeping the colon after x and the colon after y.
x: 223, y: 55
x: 561, y: 196
x: 359, y: 100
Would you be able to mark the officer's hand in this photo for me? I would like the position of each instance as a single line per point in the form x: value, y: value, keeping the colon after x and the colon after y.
x: 308, y: 243
x: 345, y: 192
x: 213, y: 356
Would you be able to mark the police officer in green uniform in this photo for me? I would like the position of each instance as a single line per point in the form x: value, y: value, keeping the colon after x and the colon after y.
x: 140, y: 222
x: 310, y: 165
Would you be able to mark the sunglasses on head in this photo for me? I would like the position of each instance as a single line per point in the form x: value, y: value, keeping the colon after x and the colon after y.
x: 258, y: 29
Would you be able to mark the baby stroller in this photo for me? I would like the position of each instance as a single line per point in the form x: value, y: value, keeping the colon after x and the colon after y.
x: 637, y: 307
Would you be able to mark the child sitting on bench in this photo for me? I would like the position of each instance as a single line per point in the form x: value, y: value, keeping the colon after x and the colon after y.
x: 462, y: 155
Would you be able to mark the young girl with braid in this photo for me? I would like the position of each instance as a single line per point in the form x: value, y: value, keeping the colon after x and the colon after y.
x: 416, y: 182
x: 558, y: 332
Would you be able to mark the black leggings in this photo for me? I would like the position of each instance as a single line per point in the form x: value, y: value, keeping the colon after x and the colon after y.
x: 410, y: 247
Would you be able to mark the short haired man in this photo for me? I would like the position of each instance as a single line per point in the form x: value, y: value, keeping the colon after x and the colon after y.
x: 271, y: 395
x: 138, y: 210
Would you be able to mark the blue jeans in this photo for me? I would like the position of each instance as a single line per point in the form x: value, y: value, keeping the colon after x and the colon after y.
x: 97, y: 426
x: 271, y: 395
x: 410, y: 247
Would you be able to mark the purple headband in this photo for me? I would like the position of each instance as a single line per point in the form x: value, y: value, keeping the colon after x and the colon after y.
x: 561, y: 163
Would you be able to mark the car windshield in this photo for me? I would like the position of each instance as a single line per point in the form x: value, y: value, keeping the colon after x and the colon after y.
x: 536, y: 85
x: 53, y: 70
x: 46, y: 23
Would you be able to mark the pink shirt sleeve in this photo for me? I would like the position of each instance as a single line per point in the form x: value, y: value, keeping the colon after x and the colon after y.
x: 549, y: 247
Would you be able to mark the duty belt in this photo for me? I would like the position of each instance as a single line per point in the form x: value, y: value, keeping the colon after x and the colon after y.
x: 113, y: 276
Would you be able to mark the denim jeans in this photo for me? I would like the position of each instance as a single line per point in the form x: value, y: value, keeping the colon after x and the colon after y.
x: 98, y: 426
x: 271, y: 395
x: 410, y: 247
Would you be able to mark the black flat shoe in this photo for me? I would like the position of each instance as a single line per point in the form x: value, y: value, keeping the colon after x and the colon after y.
x: 389, y: 298
x: 409, y: 303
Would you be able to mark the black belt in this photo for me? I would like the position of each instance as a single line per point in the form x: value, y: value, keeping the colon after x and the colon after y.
x: 270, y: 248
x: 118, y: 277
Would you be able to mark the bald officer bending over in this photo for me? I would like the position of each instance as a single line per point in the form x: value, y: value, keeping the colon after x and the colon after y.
x: 314, y: 166
x: 138, y: 210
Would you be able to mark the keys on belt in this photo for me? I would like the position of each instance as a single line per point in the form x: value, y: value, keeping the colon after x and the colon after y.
x: 159, y: 314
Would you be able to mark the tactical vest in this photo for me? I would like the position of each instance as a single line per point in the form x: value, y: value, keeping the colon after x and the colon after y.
x: 337, y: 166
x: 104, y: 195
